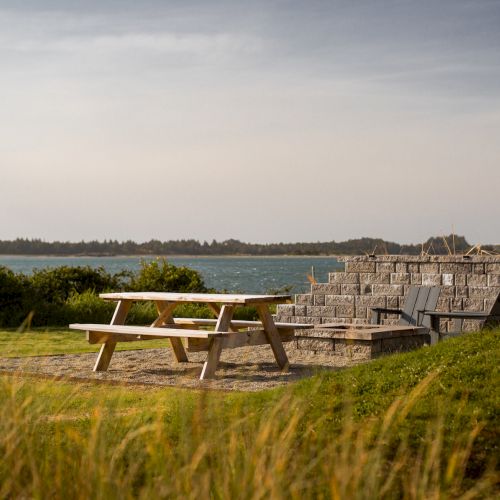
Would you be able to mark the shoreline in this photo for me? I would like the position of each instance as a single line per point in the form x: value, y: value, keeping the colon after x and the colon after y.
x: 183, y: 256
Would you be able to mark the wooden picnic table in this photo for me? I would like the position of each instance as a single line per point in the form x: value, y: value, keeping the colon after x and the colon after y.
x: 226, y: 332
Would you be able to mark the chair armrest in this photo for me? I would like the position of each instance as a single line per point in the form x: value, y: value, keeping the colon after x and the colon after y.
x: 457, y: 314
x: 377, y: 311
x: 386, y: 310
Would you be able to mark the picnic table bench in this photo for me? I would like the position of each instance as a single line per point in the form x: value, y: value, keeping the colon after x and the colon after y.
x: 226, y: 333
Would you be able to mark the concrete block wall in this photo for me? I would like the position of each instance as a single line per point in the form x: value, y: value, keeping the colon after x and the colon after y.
x: 467, y: 284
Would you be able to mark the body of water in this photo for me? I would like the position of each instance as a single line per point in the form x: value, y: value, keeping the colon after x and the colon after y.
x: 242, y: 274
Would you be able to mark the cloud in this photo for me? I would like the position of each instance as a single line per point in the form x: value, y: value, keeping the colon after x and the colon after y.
x: 197, y: 44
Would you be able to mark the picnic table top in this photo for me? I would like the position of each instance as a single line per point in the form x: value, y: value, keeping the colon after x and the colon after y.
x: 221, y: 298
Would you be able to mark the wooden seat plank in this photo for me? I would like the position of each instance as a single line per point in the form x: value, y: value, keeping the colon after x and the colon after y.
x: 237, y: 323
x: 146, y: 331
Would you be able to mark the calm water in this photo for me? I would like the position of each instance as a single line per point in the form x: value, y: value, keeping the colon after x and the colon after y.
x: 242, y: 274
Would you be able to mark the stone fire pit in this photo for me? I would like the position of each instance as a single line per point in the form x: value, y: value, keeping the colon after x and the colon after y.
x: 360, y: 342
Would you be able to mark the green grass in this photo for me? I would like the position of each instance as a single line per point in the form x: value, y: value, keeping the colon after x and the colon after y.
x: 46, y: 341
x: 417, y: 425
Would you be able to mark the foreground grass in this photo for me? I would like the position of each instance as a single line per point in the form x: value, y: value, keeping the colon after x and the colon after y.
x: 418, y: 425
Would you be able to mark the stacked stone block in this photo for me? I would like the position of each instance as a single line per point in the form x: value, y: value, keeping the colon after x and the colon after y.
x: 467, y: 284
x: 359, y: 345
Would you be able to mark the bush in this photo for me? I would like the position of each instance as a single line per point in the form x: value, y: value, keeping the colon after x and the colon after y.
x: 60, y: 296
x: 58, y: 284
x: 160, y: 276
x: 85, y: 307
x: 14, y: 297
x: 70, y: 294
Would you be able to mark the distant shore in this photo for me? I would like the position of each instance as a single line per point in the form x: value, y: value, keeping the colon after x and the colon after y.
x: 231, y: 248
x: 166, y: 256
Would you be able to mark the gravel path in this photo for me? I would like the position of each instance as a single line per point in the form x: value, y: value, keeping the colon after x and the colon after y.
x: 242, y: 369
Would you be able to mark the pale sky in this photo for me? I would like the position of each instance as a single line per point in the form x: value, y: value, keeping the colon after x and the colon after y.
x: 256, y: 120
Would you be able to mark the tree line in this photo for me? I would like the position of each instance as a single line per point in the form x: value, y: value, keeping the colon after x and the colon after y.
x: 434, y: 245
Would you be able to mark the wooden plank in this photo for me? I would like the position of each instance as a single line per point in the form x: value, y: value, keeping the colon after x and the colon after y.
x: 417, y: 300
x: 273, y: 337
x: 409, y: 314
x: 217, y: 298
x: 240, y: 339
x: 366, y: 326
x: 216, y: 309
x: 494, y: 315
x: 165, y: 309
x: 215, y: 348
x: 430, y: 305
x: 458, y: 325
x: 198, y: 345
x: 101, y: 338
x: 417, y: 315
x: 121, y: 312
x: 108, y: 348
x: 458, y: 314
x: 146, y: 331
x: 237, y: 323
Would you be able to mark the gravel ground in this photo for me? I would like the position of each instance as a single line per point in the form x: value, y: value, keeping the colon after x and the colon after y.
x: 242, y: 369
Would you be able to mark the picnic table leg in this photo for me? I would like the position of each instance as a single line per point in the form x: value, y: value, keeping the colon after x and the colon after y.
x: 108, y: 348
x: 165, y: 317
x: 216, y: 310
x: 215, y: 349
x: 273, y: 337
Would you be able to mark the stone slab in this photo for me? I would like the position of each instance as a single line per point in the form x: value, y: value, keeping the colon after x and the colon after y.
x: 360, y: 332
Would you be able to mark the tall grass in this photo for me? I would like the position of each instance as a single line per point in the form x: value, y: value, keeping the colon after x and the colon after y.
x: 211, y: 447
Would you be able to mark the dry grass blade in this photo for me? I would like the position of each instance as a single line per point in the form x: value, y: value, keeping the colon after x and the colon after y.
x: 448, y: 249
x: 312, y: 280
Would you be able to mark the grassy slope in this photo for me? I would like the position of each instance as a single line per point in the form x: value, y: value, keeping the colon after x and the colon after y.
x: 457, y: 401
x: 466, y: 367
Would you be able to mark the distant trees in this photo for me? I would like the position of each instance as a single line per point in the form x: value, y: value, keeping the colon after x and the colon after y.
x: 435, y: 245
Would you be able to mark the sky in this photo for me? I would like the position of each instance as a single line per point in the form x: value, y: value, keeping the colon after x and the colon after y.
x: 262, y: 121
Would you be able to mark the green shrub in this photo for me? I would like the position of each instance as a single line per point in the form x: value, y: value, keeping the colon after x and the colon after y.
x: 58, y: 284
x: 141, y: 313
x: 86, y: 307
x: 160, y: 276
x: 15, y: 304
x: 70, y: 294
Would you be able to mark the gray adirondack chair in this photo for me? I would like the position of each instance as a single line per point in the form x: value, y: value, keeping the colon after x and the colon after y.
x: 419, y: 300
x: 491, y: 318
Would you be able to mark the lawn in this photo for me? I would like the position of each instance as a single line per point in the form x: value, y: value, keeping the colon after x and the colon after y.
x: 417, y: 425
x: 45, y: 341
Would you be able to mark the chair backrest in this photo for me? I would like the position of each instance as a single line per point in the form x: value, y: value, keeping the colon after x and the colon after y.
x: 494, y: 314
x: 419, y: 298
